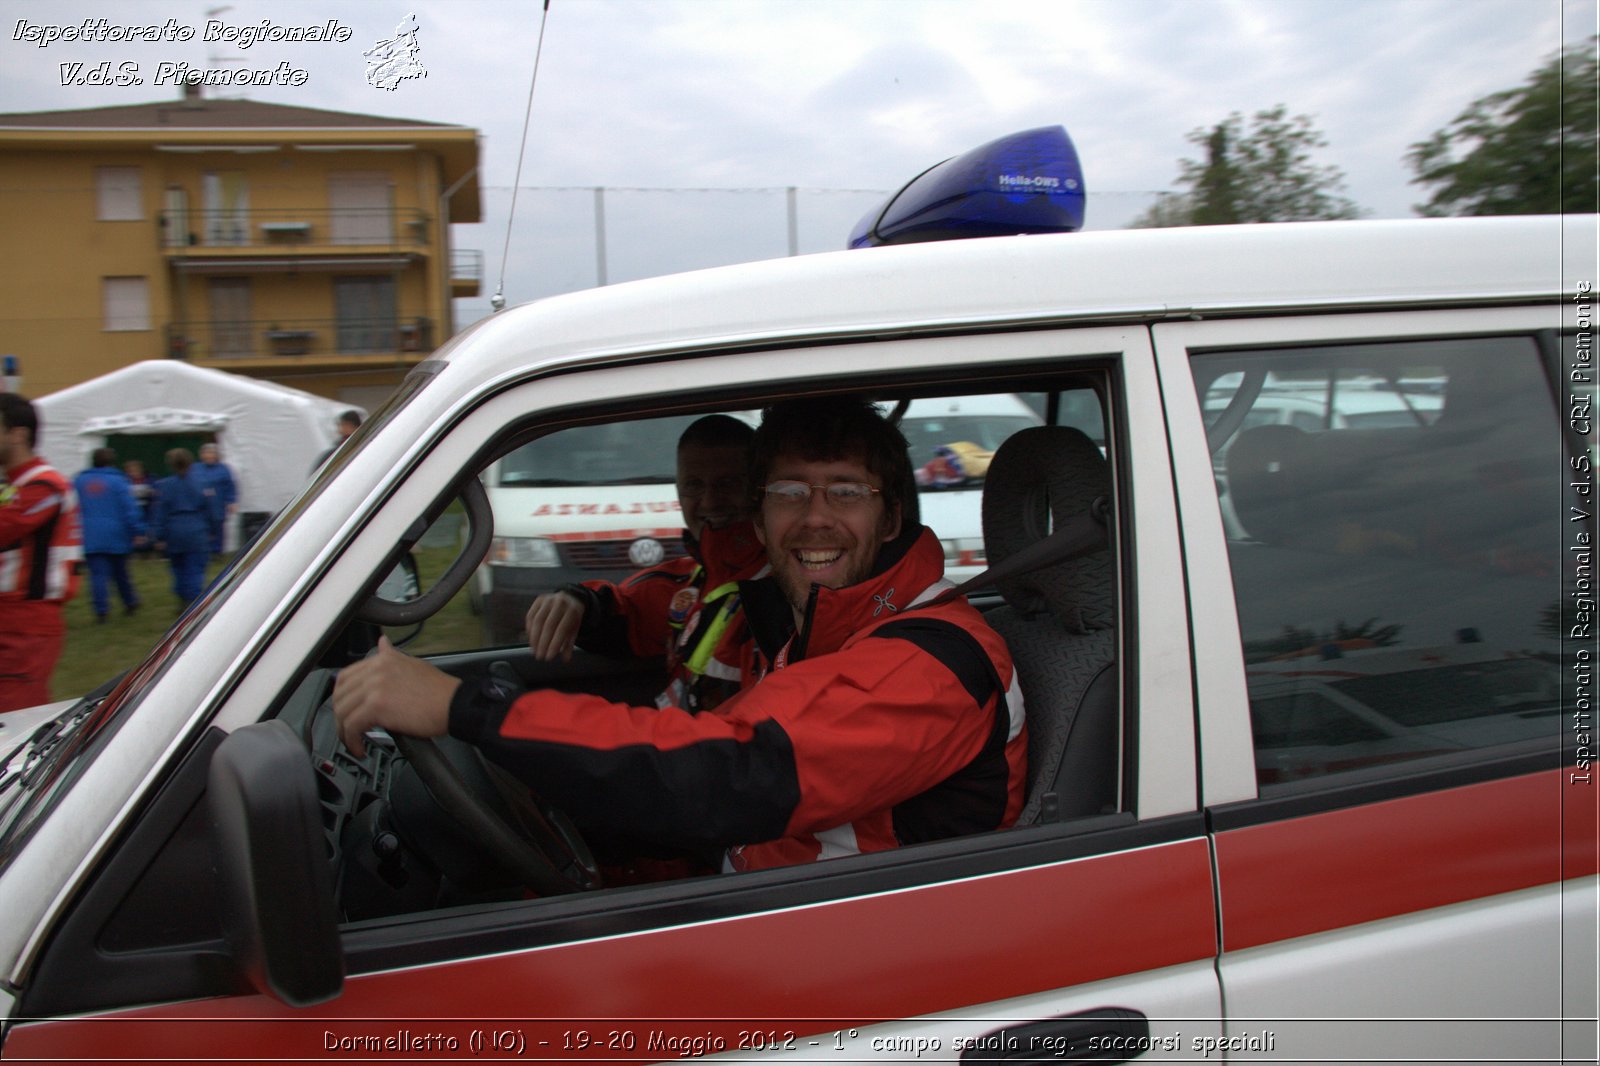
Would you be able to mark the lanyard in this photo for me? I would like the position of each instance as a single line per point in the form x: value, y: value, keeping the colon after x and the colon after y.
x: 711, y: 635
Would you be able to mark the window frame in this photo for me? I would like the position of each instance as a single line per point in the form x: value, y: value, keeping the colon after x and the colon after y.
x: 1163, y: 785
x: 1227, y: 750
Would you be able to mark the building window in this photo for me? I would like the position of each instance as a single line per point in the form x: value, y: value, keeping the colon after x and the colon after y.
x: 361, y: 208
x: 175, y: 217
x: 127, y: 303
x: 366, y: 314
x: 118, y: 194
x: 227, y: 207
x: 230, y: 317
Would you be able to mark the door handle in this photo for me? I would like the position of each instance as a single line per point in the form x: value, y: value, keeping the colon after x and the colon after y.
x: 1105, y: 1034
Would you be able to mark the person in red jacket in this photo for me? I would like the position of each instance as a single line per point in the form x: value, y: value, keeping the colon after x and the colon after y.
x: 689, y: 608
x: 40, y: 545
x: 872, y: 715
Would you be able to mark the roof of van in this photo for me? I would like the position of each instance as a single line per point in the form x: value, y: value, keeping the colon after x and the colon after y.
x: 1116, y: 275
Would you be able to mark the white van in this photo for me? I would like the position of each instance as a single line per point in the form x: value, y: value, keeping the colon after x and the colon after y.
x: 192, y: 866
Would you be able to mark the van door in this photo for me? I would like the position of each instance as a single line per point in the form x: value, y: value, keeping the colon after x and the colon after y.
x: 1402, y: 836
x: 1090, y: 930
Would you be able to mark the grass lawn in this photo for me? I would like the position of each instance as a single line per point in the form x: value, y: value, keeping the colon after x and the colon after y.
x: 94, y: 653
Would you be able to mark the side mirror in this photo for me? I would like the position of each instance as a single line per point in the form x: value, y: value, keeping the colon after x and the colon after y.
x: 278, y: 909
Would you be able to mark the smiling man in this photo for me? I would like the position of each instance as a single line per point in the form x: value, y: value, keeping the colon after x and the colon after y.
x: 870, y: 716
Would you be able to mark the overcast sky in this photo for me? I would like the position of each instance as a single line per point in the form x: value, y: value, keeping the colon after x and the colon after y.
x: 729, y: 102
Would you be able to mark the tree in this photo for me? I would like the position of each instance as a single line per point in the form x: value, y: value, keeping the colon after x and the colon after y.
x: 1528, y: 150
x: 1265, y: 174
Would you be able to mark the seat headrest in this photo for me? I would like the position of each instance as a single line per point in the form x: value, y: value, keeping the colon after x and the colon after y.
x: 1266, y: 466
x: 1039, y: 478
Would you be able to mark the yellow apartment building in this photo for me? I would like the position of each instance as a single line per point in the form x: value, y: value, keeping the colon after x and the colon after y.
x: 307, y: 247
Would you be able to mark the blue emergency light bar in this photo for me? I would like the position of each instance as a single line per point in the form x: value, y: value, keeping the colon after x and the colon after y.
x: 1028, y: 182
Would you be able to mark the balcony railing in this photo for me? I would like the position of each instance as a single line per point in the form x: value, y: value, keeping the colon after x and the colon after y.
x: 215, y: 339
x: 466, y: 264
x: 294, y: 229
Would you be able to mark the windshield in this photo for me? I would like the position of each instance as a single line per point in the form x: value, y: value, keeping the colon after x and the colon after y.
x: 57, y: 753
x: 33, y: 767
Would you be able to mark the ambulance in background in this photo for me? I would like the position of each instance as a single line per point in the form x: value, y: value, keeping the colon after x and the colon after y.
x: 952, y: 440
x: 593, y: 503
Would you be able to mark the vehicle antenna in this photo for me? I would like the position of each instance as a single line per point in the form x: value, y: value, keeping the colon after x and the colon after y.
x: 498, y: 301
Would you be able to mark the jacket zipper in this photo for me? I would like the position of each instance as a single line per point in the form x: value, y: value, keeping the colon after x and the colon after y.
x: 804, y: 636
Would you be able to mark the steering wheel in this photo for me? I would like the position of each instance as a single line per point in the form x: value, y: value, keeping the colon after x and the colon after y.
x: 538, y: 843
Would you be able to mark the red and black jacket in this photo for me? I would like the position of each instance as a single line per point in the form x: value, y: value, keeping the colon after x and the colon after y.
x: 41, y: 539
x: 878, y: 724
x: 672, y: 608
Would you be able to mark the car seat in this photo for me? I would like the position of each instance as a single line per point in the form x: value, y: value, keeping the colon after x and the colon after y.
x: 1267, y: 480
x: 1059, y: 621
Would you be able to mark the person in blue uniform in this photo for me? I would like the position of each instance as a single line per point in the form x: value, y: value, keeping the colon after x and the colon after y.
x: 215, y: 480
x: 113, y: 525
x: 183, y: 524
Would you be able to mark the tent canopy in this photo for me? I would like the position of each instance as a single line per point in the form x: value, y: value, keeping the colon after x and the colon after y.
x: 154, y: 420
x: 270, y: 435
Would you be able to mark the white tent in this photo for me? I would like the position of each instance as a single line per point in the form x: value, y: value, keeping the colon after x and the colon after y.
x: 270, y: 435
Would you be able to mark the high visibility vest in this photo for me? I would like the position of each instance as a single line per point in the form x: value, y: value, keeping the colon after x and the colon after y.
x: 43, y: 564
x: 694, y: 647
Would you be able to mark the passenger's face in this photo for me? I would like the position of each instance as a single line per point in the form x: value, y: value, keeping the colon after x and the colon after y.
x: 13, y: 444
x: 822, y: 542
x: 208, y: 453
x: 713, y: 485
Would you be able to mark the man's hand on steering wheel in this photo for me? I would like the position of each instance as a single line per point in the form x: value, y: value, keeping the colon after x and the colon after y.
x: 411, y: 700
x: 393, y: 691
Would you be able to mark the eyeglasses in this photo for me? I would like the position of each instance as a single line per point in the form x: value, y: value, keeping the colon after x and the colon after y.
x: 840, y: 494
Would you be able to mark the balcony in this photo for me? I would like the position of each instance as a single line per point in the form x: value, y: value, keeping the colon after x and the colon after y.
x: 325, y: 341
x: 466, y: 271
x: 199, y: 236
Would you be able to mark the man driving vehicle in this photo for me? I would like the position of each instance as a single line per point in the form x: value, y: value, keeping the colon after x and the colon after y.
x: 686, y: 608
x: 870, y: 716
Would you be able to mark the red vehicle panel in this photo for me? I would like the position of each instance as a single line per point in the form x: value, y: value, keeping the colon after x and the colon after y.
x: 789, y: 977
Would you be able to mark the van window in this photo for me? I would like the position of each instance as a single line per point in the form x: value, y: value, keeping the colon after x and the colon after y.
x: 551, y: 530
x: 951, y: 440
x: 620, y: 453
x: 927, y: 435
x: 600, y: 502
x: 594, y: 502
x: 1394, y: 522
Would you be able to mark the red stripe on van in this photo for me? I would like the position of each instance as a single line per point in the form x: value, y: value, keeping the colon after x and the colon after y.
x: 1342, y: 868
x: 800, y: 973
